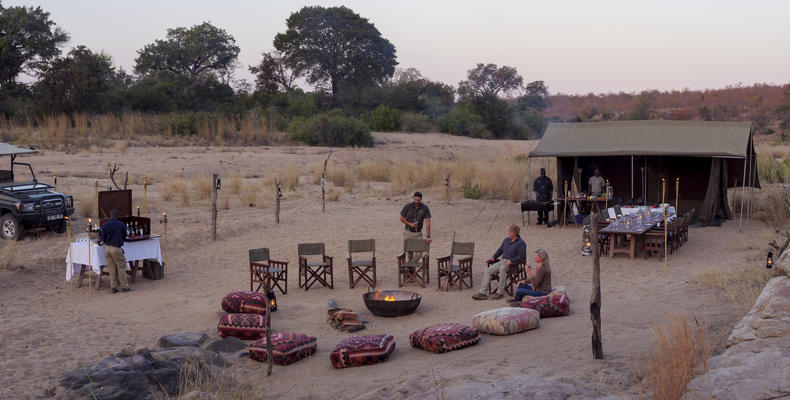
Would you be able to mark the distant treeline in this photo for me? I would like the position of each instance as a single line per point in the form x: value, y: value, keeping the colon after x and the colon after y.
x: 183, y: 85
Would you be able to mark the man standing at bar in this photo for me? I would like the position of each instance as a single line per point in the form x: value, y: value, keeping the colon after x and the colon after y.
x: 413, y: 216
x: 596, y: 183
x: 543, y: 188
x: 112, y: 233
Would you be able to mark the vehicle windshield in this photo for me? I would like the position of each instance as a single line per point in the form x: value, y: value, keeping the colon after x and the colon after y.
x: 25, y: 186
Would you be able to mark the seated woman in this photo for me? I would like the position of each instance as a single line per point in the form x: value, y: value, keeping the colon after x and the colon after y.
x: 538, y: 283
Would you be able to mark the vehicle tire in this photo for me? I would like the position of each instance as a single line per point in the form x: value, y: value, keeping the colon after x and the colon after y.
x: 10, y: 227
x: 60, y: 227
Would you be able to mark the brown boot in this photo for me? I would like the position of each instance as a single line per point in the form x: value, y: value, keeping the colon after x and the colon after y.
x: 480, y: 296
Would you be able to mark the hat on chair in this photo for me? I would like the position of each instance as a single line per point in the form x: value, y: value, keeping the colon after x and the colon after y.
x: 515, y: 229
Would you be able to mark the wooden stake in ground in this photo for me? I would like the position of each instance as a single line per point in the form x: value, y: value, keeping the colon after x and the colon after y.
x: 595, y: 300
x: 96, y: 197
x: 323, y: 182
x: 68, y: 237
x: 268, y: 326
x: 164, y: 246
x: 447, y: 188
x: 214, y: 188
x: 666, y: 228
x: 145, y: 196
x: 55, y: 186
x: 278, y: 194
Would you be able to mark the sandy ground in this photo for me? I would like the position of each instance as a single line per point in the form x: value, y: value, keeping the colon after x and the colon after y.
x: 48, y: 328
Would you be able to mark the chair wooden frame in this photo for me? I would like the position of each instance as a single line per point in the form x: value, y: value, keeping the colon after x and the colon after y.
x: 361, y: 269
x: 267, y: 273
x: 416, y: 271
x: 514, y: 274
x: 459, y: 271
x: 315, y: 272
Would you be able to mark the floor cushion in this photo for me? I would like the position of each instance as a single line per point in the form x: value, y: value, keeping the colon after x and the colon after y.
x: 287, y: 348
x: 362, y: 350
x: 242, y: 326
x: 506, y: 320
x: 441, y: 338
x: 244, y: 302
x: 552, y: 305
x: 554, y: 290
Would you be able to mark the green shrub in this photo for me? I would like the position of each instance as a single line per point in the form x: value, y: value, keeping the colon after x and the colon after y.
x: 415, y: 122
x: 331, y: 129
x: 472, y: 192
x: 461, y: 120
x: 385, y: 119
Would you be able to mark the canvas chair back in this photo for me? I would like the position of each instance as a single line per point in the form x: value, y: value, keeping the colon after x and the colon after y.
x: 311, y: 249
x: 362, y: 246
x: 258, y: 255
x: 463, y: 248
x: 617, y: 211
x: 418, y: 245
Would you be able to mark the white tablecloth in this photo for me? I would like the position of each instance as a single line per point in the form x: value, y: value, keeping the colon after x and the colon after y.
x: 137, y: 250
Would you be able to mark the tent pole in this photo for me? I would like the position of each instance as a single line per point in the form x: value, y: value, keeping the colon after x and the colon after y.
x: 751, y: 186
x: 528, y: 176
x: 644, y: 184
x: 743, y: 189
x: 632, y: 178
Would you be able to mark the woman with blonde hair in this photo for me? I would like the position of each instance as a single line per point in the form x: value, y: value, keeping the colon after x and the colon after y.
x: 538, y: 283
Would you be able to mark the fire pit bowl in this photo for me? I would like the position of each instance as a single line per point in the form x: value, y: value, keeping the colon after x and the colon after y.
x: 391, y: 303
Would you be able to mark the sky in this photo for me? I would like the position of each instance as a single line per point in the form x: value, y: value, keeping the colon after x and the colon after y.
x: 575, y: 47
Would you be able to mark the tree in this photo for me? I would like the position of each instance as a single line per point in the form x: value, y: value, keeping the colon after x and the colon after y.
x: 81, y: 81
x: 28, y: 41
x: 200, y: 51
x: 272, y: 75
x: 481, y: 90
x: 783, y: 111
x: 534, y: 98
x: 335, y: 46
x: 488, y: 80
x: 408, y: 90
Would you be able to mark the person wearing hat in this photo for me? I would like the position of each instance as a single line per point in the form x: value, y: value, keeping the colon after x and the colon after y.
x: 413, y: 216
x: 513, y: 250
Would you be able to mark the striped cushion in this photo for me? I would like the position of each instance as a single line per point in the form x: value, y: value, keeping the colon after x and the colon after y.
x: 362, y: 350
x: 287, y: 348
x: 506, y: 320
x: 244, y: 302
x: 554, y: 290
x: 552, y: 305
x: 442, y: 338
x: 242, y: 326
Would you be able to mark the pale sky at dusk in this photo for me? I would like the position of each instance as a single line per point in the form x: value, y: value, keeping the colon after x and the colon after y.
x: 574, y: 46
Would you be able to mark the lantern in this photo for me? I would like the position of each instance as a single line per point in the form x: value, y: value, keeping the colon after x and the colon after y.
x: 769, y: 261
x: 272, y: 299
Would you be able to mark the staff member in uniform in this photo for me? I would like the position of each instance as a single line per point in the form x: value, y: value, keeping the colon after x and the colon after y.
x: 413, y: 216
x: 543, y: 188
x: 596, y: 184
x: 112, y: 233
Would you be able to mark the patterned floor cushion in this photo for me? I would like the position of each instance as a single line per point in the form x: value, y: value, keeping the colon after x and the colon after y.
x: 362, y: 350
x: 244, y: 302
x: 287, y: 348
x: 242, y: 326
x: 506, y: 320
x: 552, y: 305
x: 554, y: 290
x: 442, y: 338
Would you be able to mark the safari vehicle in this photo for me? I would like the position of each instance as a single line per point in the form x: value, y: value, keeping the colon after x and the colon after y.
x: 29, y: 205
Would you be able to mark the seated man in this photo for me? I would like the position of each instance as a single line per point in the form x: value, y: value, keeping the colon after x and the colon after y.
x: 537, y: 283
x: 513, y: 250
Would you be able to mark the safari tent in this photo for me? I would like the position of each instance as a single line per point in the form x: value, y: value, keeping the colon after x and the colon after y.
x: 706, y: 157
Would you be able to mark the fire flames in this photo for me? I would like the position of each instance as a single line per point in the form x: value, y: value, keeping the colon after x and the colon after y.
x: 389, y: 298
x: 378, y: 296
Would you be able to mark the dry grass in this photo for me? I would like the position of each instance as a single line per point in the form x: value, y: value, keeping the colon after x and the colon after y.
x: 680, y: 352
x: 202, y: 187
x: 291, y: 177
x: 86, y: 205
x: 249, y: 196
x: 340, y: 176
x: 235, y: 184
x: 374, y: 171
x: 173, y: 187
x: 198, y: 378
x: 9, y: 254
x: 333, y: 195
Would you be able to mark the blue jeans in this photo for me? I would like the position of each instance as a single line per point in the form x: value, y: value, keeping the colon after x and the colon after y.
x: 526, y: 290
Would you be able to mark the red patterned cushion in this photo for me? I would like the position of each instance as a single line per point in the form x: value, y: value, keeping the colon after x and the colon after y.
x: 442, y: 338
x: 552, y: 305
x: 362, y: 350
x: 244, y: 302
x: 242, y: 326
x: 286, y: 347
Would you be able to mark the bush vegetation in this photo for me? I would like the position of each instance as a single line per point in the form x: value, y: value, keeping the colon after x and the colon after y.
x: 331, y: 129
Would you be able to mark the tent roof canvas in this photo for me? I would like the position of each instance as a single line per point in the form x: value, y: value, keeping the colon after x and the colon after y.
x: 632, y: 138
x: 7, y: 149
